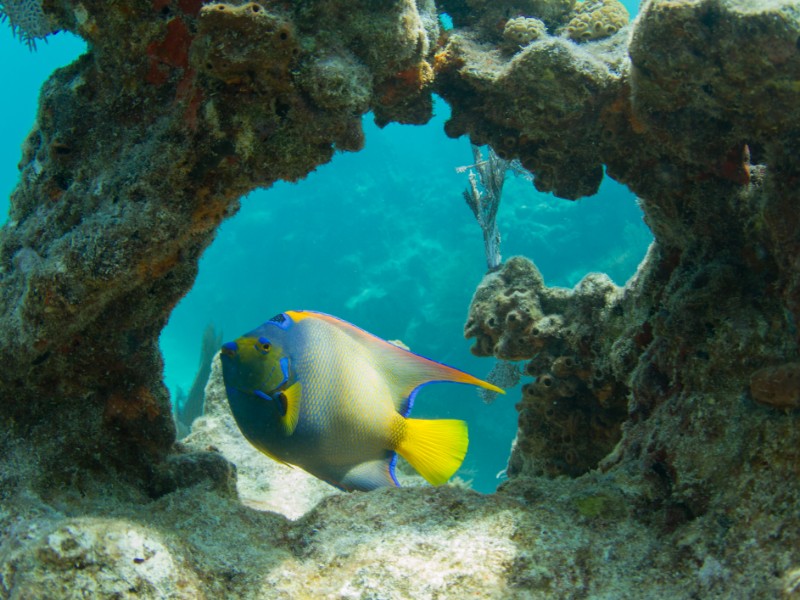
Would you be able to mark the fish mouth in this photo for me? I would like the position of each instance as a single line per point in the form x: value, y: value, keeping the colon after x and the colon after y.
x: 259, y: 392
x: 229, y: 349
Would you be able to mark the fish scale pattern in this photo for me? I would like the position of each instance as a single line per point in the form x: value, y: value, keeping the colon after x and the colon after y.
x: 341, y: 371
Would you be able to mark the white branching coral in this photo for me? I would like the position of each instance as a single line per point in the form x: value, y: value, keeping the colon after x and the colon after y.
x: 27, y: 19
x: 483, y: 197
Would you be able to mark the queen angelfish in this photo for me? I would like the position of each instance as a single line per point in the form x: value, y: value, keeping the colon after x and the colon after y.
x: 314, y: 391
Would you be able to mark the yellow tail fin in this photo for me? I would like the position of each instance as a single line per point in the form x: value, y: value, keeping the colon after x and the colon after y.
x: 436, y: 448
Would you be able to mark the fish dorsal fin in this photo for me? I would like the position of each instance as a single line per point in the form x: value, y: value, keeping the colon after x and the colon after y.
x: 291, y: 396
x: 404, y: 371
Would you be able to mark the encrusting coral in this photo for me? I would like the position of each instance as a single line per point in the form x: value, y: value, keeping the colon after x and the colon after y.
x: 263, y: 66
x: 556, y: 136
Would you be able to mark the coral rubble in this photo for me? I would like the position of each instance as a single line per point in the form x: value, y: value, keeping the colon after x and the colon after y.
x: 670, y: 404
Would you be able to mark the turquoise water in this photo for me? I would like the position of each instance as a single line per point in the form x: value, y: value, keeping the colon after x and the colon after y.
x: 382, y: 238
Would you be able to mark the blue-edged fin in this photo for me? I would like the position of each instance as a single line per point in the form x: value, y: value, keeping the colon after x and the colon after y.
x: 403, y: 370
x: 435, y: 448
x: 370, y: 475
x: 292, y: 395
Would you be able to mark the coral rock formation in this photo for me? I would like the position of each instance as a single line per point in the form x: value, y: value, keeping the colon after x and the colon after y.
x: 144, y: 144
x: 570, y: 416
x: 557, y: 135
x: 198, y: 105
x: 708, y: 325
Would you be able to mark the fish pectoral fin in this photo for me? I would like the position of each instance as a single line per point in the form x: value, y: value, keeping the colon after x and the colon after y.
x: 435, y: 448
x: 370, y: 475
x: 292, y: 410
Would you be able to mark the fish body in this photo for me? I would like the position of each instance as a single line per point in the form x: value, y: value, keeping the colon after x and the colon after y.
x: 317, y: 392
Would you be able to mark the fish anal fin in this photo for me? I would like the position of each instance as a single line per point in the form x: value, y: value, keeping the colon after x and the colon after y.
x: 370, y: 475
x: 435, y: 448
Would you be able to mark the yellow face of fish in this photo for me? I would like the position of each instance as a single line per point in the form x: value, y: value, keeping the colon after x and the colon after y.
x: 255, y: 366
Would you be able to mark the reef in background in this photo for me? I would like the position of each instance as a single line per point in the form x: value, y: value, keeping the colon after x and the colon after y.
x: 671, y: 403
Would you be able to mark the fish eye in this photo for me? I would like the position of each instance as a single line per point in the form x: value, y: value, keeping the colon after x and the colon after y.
x: 263, y: 345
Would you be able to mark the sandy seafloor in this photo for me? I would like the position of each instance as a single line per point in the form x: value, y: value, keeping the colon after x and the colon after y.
x: 382, y: 238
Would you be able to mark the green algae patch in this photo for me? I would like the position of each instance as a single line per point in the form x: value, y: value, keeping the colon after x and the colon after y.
x: 599, y: 506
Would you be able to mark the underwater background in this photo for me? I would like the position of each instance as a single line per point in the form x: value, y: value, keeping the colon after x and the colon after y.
x: 382, y: 238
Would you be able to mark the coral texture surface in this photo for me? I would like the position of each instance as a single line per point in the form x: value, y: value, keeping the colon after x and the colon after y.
x: 670, y: 404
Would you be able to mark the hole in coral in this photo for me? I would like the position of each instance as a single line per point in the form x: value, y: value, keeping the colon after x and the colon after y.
x: 61, y: 149
x: 41, y: 358
x: 282, y: 108
x: 710, y: 19
x: 63, y: 181
x: 531, y: 224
